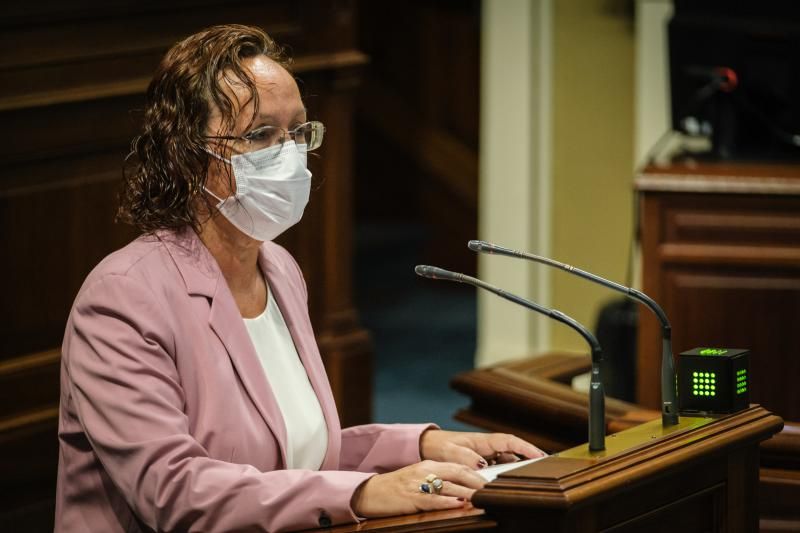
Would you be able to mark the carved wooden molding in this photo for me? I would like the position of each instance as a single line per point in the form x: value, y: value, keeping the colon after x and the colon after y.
x: 137, y: 86
x: 577, y: 476
x: 739, y: 178
x: 467, y: 519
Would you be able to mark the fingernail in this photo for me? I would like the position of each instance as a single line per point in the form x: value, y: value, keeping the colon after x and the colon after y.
x: 482, y: 464
x: 461, y: 499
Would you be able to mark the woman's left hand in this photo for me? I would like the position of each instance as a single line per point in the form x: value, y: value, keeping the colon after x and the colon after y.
x: 475, y: 450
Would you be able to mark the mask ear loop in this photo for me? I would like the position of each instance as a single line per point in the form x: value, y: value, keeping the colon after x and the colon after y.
x: 214, y: 154
x: 212, y: 194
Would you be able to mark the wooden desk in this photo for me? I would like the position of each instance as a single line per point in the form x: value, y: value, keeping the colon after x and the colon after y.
x: 532, y: 398
x: 468, y: 519
x: 698, y: 476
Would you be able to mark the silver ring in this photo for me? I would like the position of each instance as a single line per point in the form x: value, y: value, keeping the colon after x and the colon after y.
x: 433, y: 485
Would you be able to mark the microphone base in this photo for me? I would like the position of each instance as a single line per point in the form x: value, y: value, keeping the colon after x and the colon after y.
x: 669, y: 419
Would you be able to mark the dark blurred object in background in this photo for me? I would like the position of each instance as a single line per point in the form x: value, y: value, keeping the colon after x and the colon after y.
x: 616, y: 328
x: 735, y: 76
x: 416, y: 157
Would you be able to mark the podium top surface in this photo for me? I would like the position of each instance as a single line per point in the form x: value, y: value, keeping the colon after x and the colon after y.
x: 639, y: 436
x: 720, y: 177
x: 632, y: 455
x: 577, y: 475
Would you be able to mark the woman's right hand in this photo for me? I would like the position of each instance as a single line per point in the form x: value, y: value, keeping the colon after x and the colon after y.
x: 398, y: 492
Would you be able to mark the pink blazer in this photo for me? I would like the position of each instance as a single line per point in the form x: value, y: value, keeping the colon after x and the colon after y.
x: 167, y: 420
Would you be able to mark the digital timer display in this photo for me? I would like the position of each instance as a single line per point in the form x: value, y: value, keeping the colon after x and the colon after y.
x: 713, y: 380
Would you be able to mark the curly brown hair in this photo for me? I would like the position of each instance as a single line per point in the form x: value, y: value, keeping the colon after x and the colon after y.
x: 167, y: 168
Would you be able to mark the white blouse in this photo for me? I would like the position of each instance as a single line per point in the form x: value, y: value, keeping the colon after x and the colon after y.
x: 307, y: 434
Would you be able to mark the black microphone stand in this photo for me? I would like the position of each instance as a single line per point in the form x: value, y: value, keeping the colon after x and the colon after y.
x: 597, y: 431
x: 669, y: 401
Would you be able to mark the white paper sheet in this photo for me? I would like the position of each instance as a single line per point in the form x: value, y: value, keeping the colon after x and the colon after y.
x: 491, y: 472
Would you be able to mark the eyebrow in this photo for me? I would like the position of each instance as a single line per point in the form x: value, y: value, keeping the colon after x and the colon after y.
x: 272, y: 118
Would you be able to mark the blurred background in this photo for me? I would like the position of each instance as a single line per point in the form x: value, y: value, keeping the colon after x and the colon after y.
x: 452, y: 83
x: 604, y: 133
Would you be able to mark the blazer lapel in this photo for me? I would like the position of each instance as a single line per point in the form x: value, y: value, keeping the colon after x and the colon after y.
x: 203, y: 277
x: 295, y: 314
x: 227, y: 323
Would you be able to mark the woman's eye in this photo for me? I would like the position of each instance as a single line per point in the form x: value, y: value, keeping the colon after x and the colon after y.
x: 257, y: 135
x: 264, y: 135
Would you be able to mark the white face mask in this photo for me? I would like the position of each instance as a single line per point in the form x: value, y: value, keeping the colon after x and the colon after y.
x: 272, y: 190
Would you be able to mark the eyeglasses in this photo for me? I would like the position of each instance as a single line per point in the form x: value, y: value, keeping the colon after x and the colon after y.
x: 309, y: 133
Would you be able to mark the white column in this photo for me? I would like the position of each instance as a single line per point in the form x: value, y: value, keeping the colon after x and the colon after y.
x: 652, y: 73
x: 514, y: 185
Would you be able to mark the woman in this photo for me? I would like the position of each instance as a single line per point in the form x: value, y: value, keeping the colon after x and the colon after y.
x: 193, y: 394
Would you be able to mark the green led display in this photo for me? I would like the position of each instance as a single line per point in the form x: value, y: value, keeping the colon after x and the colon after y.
x: 704, y: 383
x: 741, y: 381
x: 713, y: 379
x: 713, y: 351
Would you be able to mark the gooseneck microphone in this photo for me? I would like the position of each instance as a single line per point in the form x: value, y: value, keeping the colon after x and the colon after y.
x: 669, y: 402
x: 597, y: 433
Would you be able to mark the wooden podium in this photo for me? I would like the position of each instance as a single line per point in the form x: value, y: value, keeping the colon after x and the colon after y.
x: 698, y: 476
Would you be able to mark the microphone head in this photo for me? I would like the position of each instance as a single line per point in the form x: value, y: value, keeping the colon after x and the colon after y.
x: 475, y: 246
x: 433, y: 272
x: 728, y: 80
x: 424, y: 270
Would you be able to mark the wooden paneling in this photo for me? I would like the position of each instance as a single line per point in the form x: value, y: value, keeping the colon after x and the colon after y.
x: 72, y: 81
x: 27, y: 384
x: 734, y: 298
x: 54, y: 232
x: 417, y: 117
x: 721, y: 253
x: 467, y: 519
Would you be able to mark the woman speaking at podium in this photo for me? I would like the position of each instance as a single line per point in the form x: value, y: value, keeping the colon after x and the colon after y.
x: 193, y: 396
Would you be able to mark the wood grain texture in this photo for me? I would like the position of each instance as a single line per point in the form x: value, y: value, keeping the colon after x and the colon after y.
x: 721, y: 177
x: 724, y: 262
x: 467, y: 519
x: 700, y: 477
x: 417, y: 116
x: 697, y: 478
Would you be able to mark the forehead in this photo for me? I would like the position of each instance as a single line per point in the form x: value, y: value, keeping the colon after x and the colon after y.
x: 271, y: 77
x: 278, y: 93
